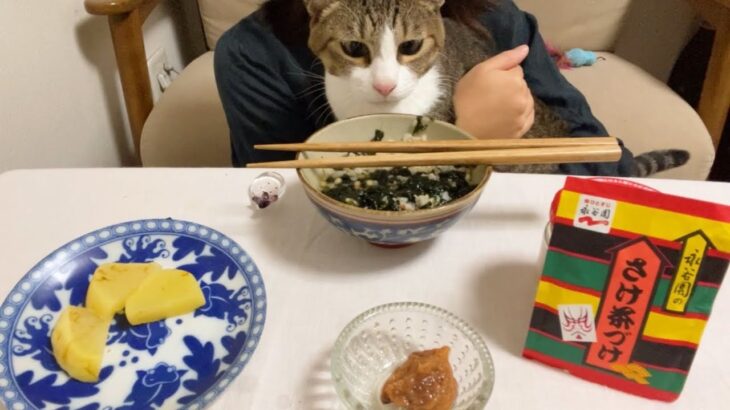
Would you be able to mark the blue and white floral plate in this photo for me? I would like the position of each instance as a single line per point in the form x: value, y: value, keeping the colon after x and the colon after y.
x: 182, y: 362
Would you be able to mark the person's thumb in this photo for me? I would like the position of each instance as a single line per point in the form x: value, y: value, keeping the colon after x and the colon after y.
x: 507, y: 60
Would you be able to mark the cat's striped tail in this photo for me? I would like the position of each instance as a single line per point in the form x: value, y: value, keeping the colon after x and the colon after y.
x: 657, y: 161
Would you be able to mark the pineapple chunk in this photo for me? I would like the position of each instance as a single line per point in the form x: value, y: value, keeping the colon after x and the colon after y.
x: 112, y: 284
x: 163, y: 294
x: 78, y: 341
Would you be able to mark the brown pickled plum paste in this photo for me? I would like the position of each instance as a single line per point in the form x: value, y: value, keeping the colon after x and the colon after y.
x: 424, y: 382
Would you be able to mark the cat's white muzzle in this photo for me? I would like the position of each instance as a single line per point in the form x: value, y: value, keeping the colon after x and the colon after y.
x: 354, y: 94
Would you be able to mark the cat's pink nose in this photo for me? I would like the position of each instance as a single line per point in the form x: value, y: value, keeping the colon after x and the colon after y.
x: 384, y: 89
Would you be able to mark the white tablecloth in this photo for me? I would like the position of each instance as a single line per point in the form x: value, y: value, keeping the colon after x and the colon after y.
x: 485, y: 270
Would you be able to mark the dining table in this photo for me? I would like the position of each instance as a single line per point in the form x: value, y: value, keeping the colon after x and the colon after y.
x: 484, y: 269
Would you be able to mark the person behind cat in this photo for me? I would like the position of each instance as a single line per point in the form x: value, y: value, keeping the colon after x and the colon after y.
x: 272, y: 90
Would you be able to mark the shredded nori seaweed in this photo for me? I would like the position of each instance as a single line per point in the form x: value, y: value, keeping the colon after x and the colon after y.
x: 386, y: 190
x: 387, y: 186
x: 420, y: 126
x: 379, y: 135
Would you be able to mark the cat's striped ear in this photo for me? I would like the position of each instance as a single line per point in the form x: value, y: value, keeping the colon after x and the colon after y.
x: 319, y: 9
x: 433, y: 4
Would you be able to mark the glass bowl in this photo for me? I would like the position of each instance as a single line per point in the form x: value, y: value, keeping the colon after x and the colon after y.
x: 371, y: 347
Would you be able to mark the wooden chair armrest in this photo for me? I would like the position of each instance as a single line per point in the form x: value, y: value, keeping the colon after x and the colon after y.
x: 126, y: 18
x: 111, y: 7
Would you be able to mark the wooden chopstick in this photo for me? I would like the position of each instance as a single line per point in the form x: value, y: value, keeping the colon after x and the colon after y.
x: 546, y: 155
x: 440, y: 145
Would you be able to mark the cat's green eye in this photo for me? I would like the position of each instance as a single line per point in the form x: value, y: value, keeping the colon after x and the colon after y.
x: 410, y: 47
x: 355, y: 49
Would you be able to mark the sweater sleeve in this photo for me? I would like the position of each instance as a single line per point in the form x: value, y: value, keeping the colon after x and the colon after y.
x: 260, y: 84
x: 512, y: 27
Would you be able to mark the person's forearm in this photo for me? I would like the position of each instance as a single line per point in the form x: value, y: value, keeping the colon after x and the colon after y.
x: 512, y: 27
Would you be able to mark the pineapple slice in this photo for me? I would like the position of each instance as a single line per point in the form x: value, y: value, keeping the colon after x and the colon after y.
x: 163, y: 294
x: 112, y: 284
x: 78, y: 341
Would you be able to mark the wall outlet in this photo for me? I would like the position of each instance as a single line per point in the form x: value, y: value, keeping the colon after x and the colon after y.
x: 159, y: 77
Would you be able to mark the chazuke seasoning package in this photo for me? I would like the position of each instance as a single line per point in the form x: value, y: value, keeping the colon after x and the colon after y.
x: 628, y: 284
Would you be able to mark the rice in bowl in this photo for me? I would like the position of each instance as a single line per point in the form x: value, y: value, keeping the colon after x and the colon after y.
x: 398, y: 188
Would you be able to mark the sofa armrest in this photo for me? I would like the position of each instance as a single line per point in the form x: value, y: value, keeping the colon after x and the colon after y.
x: 126, y: 18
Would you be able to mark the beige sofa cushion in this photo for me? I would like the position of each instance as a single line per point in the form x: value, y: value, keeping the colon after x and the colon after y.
x: 589, y: 24
x: 650, y: 33
x: 645, y: 113
x: 220, y: 15
x: 188, y: 128
x: 655, y: 32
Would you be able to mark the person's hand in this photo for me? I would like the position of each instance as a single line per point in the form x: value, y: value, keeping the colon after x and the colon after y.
x: 493, y: 100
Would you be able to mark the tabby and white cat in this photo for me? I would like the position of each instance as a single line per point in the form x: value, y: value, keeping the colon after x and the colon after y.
x: 402, y: 56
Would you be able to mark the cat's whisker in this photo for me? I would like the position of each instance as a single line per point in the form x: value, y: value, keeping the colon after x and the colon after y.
x: 317, y: 98
x: 315, y: 84
x: 322, y: 116
x: 317, y: 110
x: 308, y: 75
x: 316, y: 63
x: 315, y: 94
x: 312, y: 89
x: 322, y: 109
x: 318, y: 93
x: 325, y: 111
x: 308, y: 93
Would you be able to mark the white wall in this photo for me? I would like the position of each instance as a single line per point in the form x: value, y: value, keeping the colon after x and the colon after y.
x: 60, y: 100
